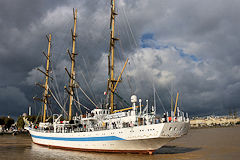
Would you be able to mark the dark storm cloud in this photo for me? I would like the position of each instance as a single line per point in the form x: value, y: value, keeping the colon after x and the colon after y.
x: 20, y: 51
x: 194, y: 45
x: 12, y: 104
x: 18, y: 45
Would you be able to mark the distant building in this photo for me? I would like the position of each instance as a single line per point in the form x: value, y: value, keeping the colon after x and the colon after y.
x: 29, y: 110
x: 24, y: 114
x: 214, y: 121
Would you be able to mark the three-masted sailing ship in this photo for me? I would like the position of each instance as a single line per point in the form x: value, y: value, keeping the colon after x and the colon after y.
x: 105, y: 129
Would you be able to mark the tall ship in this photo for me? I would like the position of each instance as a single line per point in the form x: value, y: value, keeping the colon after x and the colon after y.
x: 135, y: 129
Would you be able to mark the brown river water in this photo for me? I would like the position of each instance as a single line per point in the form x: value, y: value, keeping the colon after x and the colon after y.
x: 207, y: 144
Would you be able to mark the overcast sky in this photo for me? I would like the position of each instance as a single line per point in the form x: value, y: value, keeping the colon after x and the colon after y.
x: 188, y: 46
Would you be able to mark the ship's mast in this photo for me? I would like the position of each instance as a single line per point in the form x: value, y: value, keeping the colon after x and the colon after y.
x: 45, y: 96
x: 111, y: 80
x: 72, y: 56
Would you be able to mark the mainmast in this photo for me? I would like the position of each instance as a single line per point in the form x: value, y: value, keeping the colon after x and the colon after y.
x: 45, y: 96
x: 72, y: 56
x: 111, y: 79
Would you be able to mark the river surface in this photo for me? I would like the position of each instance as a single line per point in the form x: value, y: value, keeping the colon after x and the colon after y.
x: 209, y: 143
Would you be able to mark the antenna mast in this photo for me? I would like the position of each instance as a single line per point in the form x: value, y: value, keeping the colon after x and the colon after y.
x: 111, y: 80
x: 154, y: 98
x: 72, y: 56
x: 45, y: 96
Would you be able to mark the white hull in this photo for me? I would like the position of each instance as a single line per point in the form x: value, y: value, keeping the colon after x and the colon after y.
x: 138, y: 139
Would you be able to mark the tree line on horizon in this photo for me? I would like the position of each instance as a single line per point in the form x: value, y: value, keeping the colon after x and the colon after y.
x: 7, y: 122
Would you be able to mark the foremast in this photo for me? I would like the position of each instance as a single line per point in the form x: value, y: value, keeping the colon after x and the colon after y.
x: 45, y: 95
x: 72, y: 56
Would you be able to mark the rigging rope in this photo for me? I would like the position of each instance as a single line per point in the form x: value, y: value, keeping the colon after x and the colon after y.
x: 78, y: 100
x: 81, y: 104
x: 56, y: 90
x: 57, y: 101
x: 86, y: 95
x: 122, y: 99
x: 129, y: 84
x: 160, y: 101
x: 65, y: 103
x: 130, y: 28
x: 130, y: 36
x: 91, y: 92
x: 171, y: 94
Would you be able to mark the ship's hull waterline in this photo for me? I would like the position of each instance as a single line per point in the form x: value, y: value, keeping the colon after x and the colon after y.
x: 138, y: 139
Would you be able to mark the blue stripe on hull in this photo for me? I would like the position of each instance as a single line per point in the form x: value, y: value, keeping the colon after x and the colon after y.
x: 105, y: 138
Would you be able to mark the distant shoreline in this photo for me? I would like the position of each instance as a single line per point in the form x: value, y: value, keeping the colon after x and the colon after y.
x: 14, y: 133
x: 216, y: 126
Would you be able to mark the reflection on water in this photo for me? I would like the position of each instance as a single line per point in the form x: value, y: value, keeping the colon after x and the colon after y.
x: 214, y: 143
x: 46, y: 153
x: 175, y: 150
